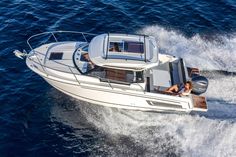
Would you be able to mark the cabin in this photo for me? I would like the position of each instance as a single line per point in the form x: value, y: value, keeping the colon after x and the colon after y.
x: 126, y: 59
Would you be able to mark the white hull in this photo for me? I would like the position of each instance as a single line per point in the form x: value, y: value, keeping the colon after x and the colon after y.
x: 107, y: 96
x: 111, y: 99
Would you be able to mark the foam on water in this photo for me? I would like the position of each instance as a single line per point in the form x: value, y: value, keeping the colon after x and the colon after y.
x: 216, y: 54
x: 221, y: 96
x: 163, y: 134
x: 222, y: 88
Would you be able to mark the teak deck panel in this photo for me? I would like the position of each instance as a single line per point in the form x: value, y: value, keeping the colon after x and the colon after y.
x: 113, y: 74
x: 199, y: 102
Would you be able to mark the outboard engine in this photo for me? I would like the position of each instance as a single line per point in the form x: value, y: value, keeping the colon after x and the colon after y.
x: 200, y: 84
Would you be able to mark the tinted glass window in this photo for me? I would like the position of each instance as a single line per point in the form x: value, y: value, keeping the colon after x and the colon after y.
x: 133, y: 47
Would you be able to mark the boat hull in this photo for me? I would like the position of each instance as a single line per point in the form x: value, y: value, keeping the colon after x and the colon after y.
x: 100, y: 93
x: 110, y: 98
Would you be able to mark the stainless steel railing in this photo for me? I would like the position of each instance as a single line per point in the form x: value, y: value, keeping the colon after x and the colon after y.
x: 53, y: 34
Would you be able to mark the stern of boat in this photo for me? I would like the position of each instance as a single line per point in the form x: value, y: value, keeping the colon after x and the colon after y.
x: 199, y: 103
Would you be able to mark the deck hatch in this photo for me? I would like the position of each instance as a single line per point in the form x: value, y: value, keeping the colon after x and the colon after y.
x: 56, y: 56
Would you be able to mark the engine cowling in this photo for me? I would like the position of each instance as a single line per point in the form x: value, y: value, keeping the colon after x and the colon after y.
x: 200, y: 84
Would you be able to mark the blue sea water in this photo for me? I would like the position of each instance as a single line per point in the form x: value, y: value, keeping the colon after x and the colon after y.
x: 38, y: 120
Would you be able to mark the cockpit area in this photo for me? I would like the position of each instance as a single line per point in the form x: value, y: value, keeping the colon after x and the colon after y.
x: 82, y: 60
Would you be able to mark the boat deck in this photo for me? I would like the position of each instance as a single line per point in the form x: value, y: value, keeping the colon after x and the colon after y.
x: 56, y: 58
x: 199, y: 102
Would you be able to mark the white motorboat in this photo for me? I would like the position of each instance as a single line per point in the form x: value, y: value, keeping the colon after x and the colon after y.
x: 115, y: 70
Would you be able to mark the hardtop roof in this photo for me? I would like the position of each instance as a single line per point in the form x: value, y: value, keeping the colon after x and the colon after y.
x: 135, y: 51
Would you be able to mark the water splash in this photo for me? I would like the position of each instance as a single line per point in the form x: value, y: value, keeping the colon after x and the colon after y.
x: 218, y: 54
x: 222, y: 88
x: 165, y: 134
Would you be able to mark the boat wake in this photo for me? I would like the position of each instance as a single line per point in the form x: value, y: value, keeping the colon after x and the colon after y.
x: 215, y: 53
x: 132, y: 133
x: 156, y: 134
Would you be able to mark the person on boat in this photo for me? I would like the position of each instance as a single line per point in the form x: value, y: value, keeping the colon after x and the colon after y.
x: 181, y: 90
x: 115, y: 48
x: 91, y: 64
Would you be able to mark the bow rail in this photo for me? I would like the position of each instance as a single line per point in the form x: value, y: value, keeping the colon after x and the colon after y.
x: 53, y: 34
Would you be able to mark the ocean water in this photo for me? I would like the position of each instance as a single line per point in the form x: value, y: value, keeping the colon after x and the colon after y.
x: 37, y: 120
